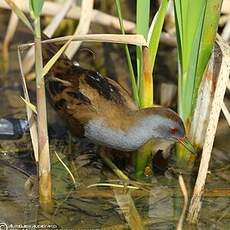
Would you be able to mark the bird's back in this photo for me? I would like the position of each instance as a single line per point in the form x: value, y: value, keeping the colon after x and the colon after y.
x: 80, y: 95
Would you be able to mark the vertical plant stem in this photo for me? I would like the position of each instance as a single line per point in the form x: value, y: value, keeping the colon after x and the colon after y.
x: 142, y: 157
x: 30, y: 115
x: 146, y: 100
x: 129, y: 62
x: 222, y: 68
x: 146, y: 84
x: 196, y: 26
x: 142, y: 27
x: 43, y: 142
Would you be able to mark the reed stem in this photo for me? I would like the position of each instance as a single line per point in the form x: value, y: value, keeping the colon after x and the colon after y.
x: 43, y: 142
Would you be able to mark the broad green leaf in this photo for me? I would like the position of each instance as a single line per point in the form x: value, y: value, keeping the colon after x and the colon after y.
x: 196, y: 25
x: 36, y: 7
x: 190, y: 78
x: 142, y: 20
x: 210, y: 27
x: 155, y: 32
x: 189, y: 16
x: 192, y: 15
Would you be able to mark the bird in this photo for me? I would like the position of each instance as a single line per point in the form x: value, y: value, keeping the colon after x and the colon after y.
x: 98, y: 108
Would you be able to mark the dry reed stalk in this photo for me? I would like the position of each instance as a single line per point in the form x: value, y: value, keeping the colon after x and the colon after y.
x: 226, y: 31
x: 226, y: 112
x: 28, y: 60
x: 225, y: 7
x: 185, y: 195
x: 53, y: 8
x: 138, y: 39
x: 222, y: 69
x: 203, y: 104
x: 67, y: 169
x: 43, y: 141
x: 228, y: 85
x: 11, y: 28
x: 30, y: 115
x: 82, y: 28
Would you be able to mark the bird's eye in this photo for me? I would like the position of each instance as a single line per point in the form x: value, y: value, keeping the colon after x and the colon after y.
x: 173, y: 130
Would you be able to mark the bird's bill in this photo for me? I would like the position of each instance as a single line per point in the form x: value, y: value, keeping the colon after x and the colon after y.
x: 187, y: 144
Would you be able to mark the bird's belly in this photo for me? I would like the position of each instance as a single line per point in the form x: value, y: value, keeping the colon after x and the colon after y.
x: 116, y: 139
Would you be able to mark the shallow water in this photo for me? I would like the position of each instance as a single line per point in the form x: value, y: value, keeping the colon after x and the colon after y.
x: 159, y: 204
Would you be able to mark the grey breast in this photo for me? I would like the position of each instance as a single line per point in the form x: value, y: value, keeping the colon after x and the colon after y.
x: 130, y: 140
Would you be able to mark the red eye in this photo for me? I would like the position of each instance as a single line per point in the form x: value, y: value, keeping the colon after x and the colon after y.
x: 173, y: 130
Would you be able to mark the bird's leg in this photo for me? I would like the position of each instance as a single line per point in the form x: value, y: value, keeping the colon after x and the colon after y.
x: 103, y: 154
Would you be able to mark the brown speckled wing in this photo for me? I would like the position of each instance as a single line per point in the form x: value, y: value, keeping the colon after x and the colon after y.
x: 108, y: 89
x: 74, y: 107
x: 79, y: 95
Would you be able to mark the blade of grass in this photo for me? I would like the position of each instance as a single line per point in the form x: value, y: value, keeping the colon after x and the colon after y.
x: 36, y: 7
x: 115, y: 169
x: 189, y: 76
x: 30, y: 105
x: 30, y: 115
x: 113, y: 185
x: 52, y: 61
x: 142, y: 17
x: 130, y: 66
x: 155, y: 32
x: 67, y: 169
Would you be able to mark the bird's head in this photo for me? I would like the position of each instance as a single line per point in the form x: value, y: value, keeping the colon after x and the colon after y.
x: 167, y: 124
